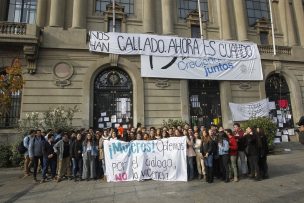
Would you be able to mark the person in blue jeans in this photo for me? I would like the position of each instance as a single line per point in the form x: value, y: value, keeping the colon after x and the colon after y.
x: 49, y: 158
x: 207, y: 152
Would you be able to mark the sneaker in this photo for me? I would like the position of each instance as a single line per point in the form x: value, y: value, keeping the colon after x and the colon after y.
x: 42, y: 181
x: 58, y: 180
x: 236, y: 179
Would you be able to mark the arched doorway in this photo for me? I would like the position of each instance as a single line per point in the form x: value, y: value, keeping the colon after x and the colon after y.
x: 277, y: 91
x: 113, y: 98
x: 205, y: 103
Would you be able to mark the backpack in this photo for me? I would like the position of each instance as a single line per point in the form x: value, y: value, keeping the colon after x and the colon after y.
x: 21, y: 148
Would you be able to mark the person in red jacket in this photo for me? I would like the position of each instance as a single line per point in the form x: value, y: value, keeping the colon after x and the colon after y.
x: 233, y: 150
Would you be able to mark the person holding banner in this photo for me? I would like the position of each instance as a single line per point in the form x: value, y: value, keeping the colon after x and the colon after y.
x: 190, y: 155
x: 104, y: 137
x: 207, y: 152
x: 89, y: 153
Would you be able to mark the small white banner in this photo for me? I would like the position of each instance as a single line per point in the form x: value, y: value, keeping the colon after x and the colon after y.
x: 163, y: 160
x: 244, y: 112
x: 159, y: 45
x: 205, y: 68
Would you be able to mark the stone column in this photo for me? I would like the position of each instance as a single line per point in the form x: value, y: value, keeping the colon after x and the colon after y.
x: 287, y: 23
x: 41, y: 13
x: 225, y: 21
x: 225, y: 88
x: 57, y: 13
x: 167, y: 17
x: 299, y: 14
x: 240, y: 18
x: 149, y: 18
x: 3, y: 9
x: 79, y: 14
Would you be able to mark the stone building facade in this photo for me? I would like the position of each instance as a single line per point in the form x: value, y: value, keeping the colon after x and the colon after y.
x: 51, y: 37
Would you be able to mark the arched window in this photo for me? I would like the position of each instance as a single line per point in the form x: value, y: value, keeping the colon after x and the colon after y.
x: 113, y: 96
x: 277, y: 91
x: 257, y: 9
x: 22, y: 11
x: 101, y: 5
x: 11, y: 117
x: 186, y: 6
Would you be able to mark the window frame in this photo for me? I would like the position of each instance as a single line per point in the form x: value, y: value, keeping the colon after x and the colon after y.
x: 188, y: 9
x: 254, y: 11
x: 128, y: 12
x: 27, y: 11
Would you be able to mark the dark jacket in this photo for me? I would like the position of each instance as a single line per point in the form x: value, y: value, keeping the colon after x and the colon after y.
x: 252, y: 145
x: 35, y: 146
x: 206, y: 147
x: 263, y: 149
x: 48, y: 149
x: 76, y: 146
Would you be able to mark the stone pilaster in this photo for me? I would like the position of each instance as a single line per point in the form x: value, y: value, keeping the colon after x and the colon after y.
x: 167, y: 17
x: 41, y: 13
x: 240, y: 18
x: 79, y: 14
x: 57, y: 13
x: 287, y: 23
x: 299, y: 14
x: 225, y: 20
x: 3, y: 9
x: 149, y: 18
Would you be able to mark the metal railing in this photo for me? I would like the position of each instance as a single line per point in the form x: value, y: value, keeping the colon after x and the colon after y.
x: 11, y: 118
x: 12, y: 28
x: 268, y: 49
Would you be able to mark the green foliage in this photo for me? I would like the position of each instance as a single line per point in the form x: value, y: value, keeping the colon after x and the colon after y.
x: 262, y: 122
x: 57, y: 118
x: 170, y: 123
x: 5, y: 155
x: 10, y: 157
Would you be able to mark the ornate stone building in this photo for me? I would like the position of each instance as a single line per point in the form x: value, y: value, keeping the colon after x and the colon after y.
x: 51, y: 37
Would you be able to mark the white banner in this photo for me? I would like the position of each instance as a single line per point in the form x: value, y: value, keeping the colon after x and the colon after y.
x: 243, y: 112
x: 163, y: 160
x: 156, y: 45
x: 206, y: 68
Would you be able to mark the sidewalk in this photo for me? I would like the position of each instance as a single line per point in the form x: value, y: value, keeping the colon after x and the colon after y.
x: 284, y: 185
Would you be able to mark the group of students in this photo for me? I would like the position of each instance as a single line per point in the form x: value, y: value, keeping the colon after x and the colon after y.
x: 213, y: 152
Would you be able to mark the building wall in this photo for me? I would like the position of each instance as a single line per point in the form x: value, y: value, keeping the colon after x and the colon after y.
x: 152, y: 104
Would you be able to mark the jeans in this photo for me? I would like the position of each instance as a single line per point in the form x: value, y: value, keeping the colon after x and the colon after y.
x: 200, y: 164
x: 233, y: 166
x: 36, y: 159
x: 190, y: 166
x: 224, y: 166
x: 64, y: 166
x: 89, y: 169
x: 242, y: 158
x: 208, y: 161
x: 46, y: 163
x: 254, y: 166
x: 77, y: 166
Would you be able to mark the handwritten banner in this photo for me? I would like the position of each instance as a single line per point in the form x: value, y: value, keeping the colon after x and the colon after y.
x: 243, y: 112
x: 156, y: 45
x: 206, y: 68
x: 163, y: 160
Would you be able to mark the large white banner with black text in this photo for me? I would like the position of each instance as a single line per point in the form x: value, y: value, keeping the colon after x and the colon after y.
x: 244, y: 112
x: 204, y: 68
x: 157, y: 45
x: 163, y: 160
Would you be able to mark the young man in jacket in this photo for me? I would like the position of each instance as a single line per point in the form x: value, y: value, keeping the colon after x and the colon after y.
x: 35, y: 152
x: 49, y: 158
x: 62, y: 149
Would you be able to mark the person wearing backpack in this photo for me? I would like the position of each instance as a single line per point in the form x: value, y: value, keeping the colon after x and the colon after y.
x: 26, y: 143
x: 36, y: 152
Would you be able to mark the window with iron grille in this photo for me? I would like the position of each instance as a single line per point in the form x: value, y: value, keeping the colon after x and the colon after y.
x: 257, y: 9
x: 101, y: 5
x: 186, y: 6
x: 11, y: 117
x: 22, y: 11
